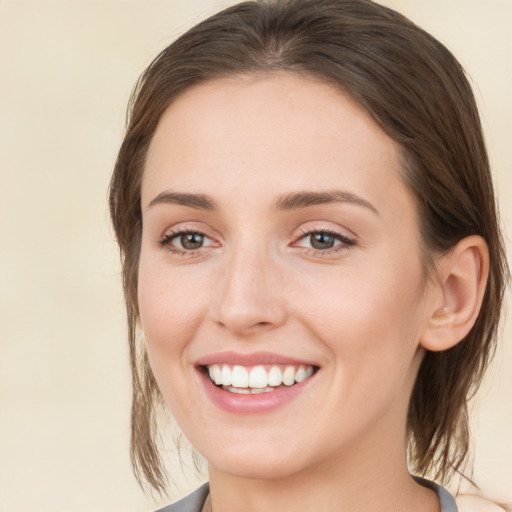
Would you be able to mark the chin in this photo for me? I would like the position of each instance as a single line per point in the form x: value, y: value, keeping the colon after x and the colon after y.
x: 257, y: 463
x: 260, y: 470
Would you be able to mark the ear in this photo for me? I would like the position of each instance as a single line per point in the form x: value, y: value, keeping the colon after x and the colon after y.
x: 458, y: 293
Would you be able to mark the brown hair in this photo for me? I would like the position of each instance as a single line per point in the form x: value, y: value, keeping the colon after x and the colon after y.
x: 417, y: 92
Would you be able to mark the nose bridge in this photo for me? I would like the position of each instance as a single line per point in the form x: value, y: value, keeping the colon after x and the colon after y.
x: 249, y: 297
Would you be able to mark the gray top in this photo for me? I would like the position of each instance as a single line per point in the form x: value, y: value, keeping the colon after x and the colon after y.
x: 446, y: 500
x: 194, y: 502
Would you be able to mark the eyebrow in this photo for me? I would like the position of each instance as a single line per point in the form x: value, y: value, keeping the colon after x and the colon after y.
x: 197, y: 201
x: 293, y: 201
x: 298, y: 200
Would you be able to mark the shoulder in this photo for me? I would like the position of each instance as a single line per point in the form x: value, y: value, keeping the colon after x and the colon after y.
x: 474, y: 503
x: 463, y: 502
x: 192, y: 503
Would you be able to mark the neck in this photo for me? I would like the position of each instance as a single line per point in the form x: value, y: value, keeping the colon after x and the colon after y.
x: 381, y: 484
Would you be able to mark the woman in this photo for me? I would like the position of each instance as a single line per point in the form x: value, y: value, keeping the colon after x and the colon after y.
x: 312, y: 261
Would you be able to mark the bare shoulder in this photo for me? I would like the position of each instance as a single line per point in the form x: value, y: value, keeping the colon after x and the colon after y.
x: 474, y: 503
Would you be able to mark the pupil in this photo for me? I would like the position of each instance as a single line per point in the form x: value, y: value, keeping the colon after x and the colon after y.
x: 322, y: 241
x: 191, y: 240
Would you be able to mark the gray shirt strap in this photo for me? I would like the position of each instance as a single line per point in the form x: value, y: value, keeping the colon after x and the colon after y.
x: 446, y: 500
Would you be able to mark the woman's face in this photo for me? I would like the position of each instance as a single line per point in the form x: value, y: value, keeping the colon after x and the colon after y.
x: 280, y: 243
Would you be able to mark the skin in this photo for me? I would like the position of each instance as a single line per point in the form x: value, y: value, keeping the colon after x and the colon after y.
x: 358, y: 312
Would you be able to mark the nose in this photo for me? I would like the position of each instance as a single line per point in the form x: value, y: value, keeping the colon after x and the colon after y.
x: 250, y: 299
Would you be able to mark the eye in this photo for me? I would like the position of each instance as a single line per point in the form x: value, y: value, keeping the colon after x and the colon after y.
x: 185, y: 241
x: 324, y: 241
x: 190, y: 241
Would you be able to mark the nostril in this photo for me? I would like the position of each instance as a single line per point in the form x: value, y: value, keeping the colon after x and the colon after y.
x: 244, y: 325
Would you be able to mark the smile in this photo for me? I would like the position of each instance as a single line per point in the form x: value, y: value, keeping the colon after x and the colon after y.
x: 257, y: 379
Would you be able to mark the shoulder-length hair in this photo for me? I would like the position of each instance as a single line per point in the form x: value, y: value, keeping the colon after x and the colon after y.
x: 417, y: 92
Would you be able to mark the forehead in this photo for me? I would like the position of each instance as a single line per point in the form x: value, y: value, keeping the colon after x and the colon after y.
x: 286, y: 132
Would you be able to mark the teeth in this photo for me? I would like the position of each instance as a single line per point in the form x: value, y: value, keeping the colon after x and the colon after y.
x: 247, y: 391
x: 275, y: 376
x: 258, y: 377
x: 240, y: 391
x: 226, y: 375
x: 256, y: 391
x: 289, y: 376
x: 240, y: 379
x: 215, y: 374
x: 303, y: 373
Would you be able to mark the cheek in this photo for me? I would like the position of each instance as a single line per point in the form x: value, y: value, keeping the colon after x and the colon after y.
x: 368, y: 318
x: 170, y: 312
x: 169, y: 319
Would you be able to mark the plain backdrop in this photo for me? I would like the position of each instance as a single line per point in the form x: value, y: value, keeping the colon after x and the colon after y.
x: 66, y: 71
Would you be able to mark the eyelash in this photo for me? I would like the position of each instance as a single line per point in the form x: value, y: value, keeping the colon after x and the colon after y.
x: 166, y: 240
x: 346, y: 242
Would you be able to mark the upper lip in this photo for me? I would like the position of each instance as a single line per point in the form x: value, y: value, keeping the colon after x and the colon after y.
x: 250, y: 359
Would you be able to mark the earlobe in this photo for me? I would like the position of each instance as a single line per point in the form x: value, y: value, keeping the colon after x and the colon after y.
x: 462, y: 278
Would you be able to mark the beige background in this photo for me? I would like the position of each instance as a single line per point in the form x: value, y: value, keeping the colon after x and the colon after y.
x: 66, y: 70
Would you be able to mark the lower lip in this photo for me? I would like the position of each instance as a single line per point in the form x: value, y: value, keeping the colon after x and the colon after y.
x: 238, y: 403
